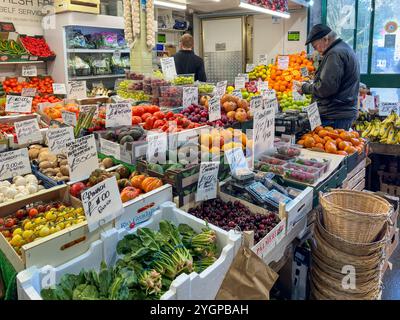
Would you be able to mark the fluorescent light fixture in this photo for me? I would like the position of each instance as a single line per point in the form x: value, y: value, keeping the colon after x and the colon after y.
x: 168, y: 4
x: 264, y: 10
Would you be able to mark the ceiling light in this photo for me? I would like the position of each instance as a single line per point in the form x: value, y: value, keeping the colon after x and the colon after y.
x: 264, y: 10
x: 168, y: 4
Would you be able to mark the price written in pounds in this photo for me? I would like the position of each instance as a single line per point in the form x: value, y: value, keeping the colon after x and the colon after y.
x: 14, y: 163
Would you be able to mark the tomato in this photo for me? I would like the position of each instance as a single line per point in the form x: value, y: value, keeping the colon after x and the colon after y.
x: 150, y: 121
x: 138, y: 111
x: 146, y: 115
x: 158, y: 124
x: 136, y: 120
x: 159, y: 115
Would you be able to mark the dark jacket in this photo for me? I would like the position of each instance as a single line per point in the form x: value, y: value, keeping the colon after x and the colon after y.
x: 336, y: 83
x: 186, y: 62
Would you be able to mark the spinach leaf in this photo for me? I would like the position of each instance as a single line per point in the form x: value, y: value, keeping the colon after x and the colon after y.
x: 119, y: 289
x: 106, y: 277
x: 148, y: 238
x: 128, y: 244
x: 85, y: 292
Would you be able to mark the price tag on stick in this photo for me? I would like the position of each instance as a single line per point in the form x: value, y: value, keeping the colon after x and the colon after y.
x: 29, y: 71
x: 157, y: 148
x: 168, y: 68
x: 77, y: 90
x: 28, y: 92
x: 240, y: 83
x: 118, y: 115
x: 255, y: 104
x: 236, y: 159
x: 28, y: 131
x: 57, y: 139
x: 263, y: 60
x: 102, y: 203
x: 14, y: 163
x: 264, y: 128
x: 207, y: 185
x: 214, y: 109
x: 283, y: 62
x: 190, y: 96
x: 82, y: 158
x: 221, y: 88
x: 69, y: 118
x: 19, y: 104
x: 250, y: 67
x: 314, y: 116
x: 110, y: 148
x: 59, y: 88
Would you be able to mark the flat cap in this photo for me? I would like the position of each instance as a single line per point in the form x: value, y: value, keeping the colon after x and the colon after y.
x: 318, y: 32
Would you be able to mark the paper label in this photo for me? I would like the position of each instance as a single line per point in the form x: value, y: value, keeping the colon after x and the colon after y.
x: 19, y: 104
x: 110, y: 148
x: 207, y: 185
x: 264, y: 128
x: 168, y: 68
x: 77, y: 90
x: 283, y: 62
x: 102, y: 203
x: 28, y: 92
x: 14, y: 163
x: 82, y: 158
x: 117, y: 54
x: 297, y: 96
x: 214, y: 109
x: 237, y: 93
x: 240, y: 83
x: 269, y: 94
x: 87, y: 107
x: 245, y: 76
x: 262, y: 86
x: 386, y: 108
x: 236, y: 159
x: 118, y: 115
x: 190, y: 96
x: 369, y: 103
x: 157, y: 148
x: 29, y: 71
x: 314, y: 116
x: 57, y: 139
x: 28, y: 131
x: 304, y: 72
x: 250, y: 67
x: 255, y: 104
x: 221, y: 88
x: 59, y: 88
x: 263, y: 60
x: 69, y: 118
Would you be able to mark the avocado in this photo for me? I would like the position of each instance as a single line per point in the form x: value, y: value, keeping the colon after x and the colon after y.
x: 109, y: 135
x: 156, y: 168
x: 126, y: 139
x: 135, y: 134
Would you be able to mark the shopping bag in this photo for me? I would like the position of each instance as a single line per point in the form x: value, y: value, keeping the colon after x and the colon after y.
x: 248, y: 278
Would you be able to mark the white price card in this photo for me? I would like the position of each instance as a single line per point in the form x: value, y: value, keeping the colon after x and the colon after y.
x: 245, y: 76
x: 240, y: 82
x: 77, y: 90
x: 29, y: 71
x: 263, y: 60
x: 214, y: 108
x: 102, y: 203
x: 69, y: 118
x: 304, y: 72
x: 57, y: 139
x: 221, y: 88
x: 283, y: 62
x: 207, y: 184
x: 110, y: 148
x: 297, y: 96
x: 157, y: 146
x: 14, y: 163
x: 59, y: 88
x: 236, y: 159
x: 255, y: 104
x: 264, y: 128
x: 313, y: 116
x: 82, y: 158
x: 19, y: 104
x: 28, y: 92
x: 168, y: 68
x: 237, y: 93
x: 190, y: 96
x: 269, y: 94
x: 262, y: 86
x: 369, y: 103
x: 250, y: 67
x: 28, y: 131
x: 117, y: 54
x: 118, y: 115
x: 87, y: 107
x: 13, y: 36
x: 386, y: 108
x: 21, y: 79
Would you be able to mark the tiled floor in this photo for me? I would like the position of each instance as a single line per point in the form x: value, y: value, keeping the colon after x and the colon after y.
x: 391, y: 280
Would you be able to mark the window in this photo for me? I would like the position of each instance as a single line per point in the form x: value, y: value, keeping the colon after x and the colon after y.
x: 363, y: 33
x: 386, y: 42
x: 342, y: 19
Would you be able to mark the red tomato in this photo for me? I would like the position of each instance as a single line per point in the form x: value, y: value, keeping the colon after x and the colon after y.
x: 159, y: 115
x: 158, y: 124
x: 136, y: 120
x: 146, y: 115
x: 150, y: 122
x: 138, y: 111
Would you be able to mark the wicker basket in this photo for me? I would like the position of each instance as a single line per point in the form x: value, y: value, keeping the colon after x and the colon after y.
x: 355, y: 216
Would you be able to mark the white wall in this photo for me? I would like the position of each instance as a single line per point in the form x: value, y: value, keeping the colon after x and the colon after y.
x: 228, y: 31
x: 270, y: 35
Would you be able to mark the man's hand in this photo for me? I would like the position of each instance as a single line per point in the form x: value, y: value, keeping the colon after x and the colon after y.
x: 298, y: 86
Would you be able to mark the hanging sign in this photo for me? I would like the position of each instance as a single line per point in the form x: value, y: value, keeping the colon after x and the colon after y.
x: 28, y: 131
x: 221, y: 88
x: 69, y: 118
x: 214, y: 108
x: 157, y: 146
x: 14, y: 163
x: 82, y: 158
x: 110, y: 148
x: 168, y: 68
x: 57, y: 139
x: 77, y: 90
x: 250, y: 67
x: 29, y: 71
x: 28, y: 92
x: 118, y: 115
x: 264, y: 128
x: 59, y: 88
x: 240, y: 83
x: 386, y: 108
x: 190, y: 96
x: 263, y: 60
x: 102, y: 203
x: 19, y: 104
x: 313, y: 116
x: 283, y: 62
x: 207, y: 185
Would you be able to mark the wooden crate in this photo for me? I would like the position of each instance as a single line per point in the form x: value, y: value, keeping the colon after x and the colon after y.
x: 360, y: 186
x: 394, y: 242
x: 87, y: 6
x: 54, y: 249
x: 355, y: 177
x: 393, y: 190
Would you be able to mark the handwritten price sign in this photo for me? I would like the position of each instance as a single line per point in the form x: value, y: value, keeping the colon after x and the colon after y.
x: 29, y: 71
x: 19, y: 104
x: 255, y: 104
x: 236, y: 159
x: 14, y: 163
x: 313, y: 116
x: 118, y: 115
x: 264, y: 128
x: 69, y: 118
x: 28, y: 92
x: 28, y: 131
x: 283, y: 62
x: 110, y: 148
x: 59, y: 88
x: 157, y: 148
x: 221, y: 88
x: 58, y: 138
x: 190, y: 96
x: 208, y: 181
x: 168, y: 68
x: 214, y: 108
x: 102, y: 203
x: 77, y: 90
x: 240, y: 82
x: 82, y: 158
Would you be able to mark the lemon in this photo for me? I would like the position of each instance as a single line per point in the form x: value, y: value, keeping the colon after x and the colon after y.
x: 17, y: 240
x: 17, y: 231
x: 45, y: 231
x: 50, y: 216
x: 29, y: 226
x: 27, y: 234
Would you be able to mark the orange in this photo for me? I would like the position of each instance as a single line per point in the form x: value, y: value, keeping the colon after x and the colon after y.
x: 342, y: 153
x: 323, y: 133
x: 318, y: 129
x: 343, y: 145
x: 346, y: 136
x: 319, y: 146
x: 355, y: 142
x: 350, y: 150
x: 355, y: 134
x: 330, y: 147
x: 309, y: 142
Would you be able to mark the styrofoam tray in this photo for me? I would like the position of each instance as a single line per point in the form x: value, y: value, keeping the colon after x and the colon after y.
x: 203, y: 286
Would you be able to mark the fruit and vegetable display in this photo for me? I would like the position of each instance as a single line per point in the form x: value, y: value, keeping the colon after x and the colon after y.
x: 287, y: 102
x: 259, y: 73
x: 126, y: 90
x: 327, y: 139
x: 9, y: 128
x: 39, y: 220
x: 171, y: 97
x: 217, y: 140
x: 206, y: 88
x: 19, y: 187
x: 44, y: 85
x: 149, y: 261
x: 37, y: 46
x: 231, y: 215
x: 248, y: 92
x: 386, y: 131
x: 12, y: 48
x: 183, y: 80
x: 43, y: 99
x: 125, y: 135
x: 53, y: 166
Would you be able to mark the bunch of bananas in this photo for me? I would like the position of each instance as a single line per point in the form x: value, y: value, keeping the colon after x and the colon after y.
x: 386, y: 131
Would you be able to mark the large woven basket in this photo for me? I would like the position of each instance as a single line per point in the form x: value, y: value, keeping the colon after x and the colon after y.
x: 353, y: 248
x: 354, y: 216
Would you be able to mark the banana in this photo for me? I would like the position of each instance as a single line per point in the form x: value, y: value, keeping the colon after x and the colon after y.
x: 367, y: 131
x: 391, y: 139
x: 376, y: 130
x: 386, y: 134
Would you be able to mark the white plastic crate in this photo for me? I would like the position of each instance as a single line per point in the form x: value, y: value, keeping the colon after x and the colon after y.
x: 203, y: 286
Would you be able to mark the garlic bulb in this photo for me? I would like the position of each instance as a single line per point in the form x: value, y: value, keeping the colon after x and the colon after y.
x: 11, y: 193
x: 135, y: 20
x: 32, y: 188
x: 5, y: 183
x: 151, y: 38
x: 20, y: 181
x: 31, y: 179
x: 128, y: 22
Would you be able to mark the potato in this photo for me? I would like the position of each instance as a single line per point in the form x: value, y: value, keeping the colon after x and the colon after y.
x: 63, y: 163
x: 65, y: 170
x: 33, y: 154
x: 44, y: 150
x: 46, y: 165
x: 64, y: 179
x: 50, y: 172
x: 36, y: 146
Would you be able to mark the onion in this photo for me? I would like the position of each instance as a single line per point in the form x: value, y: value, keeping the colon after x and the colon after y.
x: 20, y: 181
x: 31, y: 179
x: 11, y: 193
x: 32, y: 188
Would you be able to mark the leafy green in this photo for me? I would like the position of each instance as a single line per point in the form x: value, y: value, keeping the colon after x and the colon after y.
x: 106, y: 277
x: 129, y: 244
x: 119, y: 290
x: 85, y: 292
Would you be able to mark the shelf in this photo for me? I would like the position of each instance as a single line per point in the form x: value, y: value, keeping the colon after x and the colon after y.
x: 21, y: 62
x: 107, y: 76
x: 171, y: 30
x: 385, y: 149
x: 96, y: 51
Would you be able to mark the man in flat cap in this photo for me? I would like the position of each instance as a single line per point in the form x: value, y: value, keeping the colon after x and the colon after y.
x: 337, y: 80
